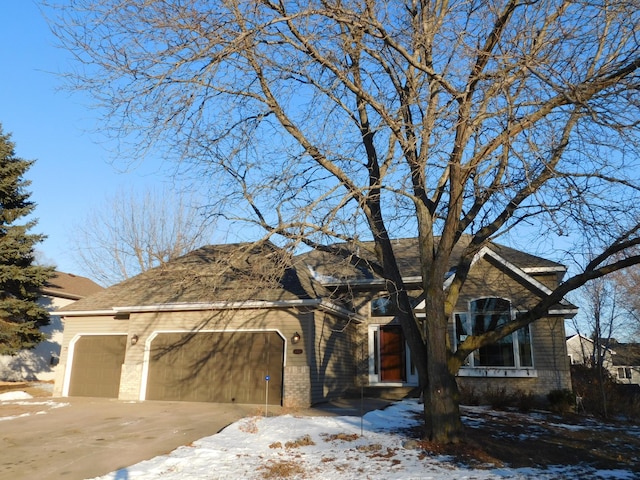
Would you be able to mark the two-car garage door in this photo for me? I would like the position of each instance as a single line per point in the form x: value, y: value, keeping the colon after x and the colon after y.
x: 226, y: 367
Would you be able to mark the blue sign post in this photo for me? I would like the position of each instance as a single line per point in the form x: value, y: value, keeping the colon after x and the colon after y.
x: 266, y: 396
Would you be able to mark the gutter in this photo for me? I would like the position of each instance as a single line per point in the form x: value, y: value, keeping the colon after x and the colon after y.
x: 251, y: 304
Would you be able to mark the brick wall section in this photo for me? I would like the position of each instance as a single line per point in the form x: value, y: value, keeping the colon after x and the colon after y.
x: 540, y: 386
x: 130, y: 382
x: 297, y: 387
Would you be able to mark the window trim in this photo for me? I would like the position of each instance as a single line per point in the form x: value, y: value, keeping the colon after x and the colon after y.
x: 625, y: 373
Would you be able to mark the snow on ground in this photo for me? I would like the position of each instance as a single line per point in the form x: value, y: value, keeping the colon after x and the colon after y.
x: 370, y: 447
x: 16, y: 395
x: 18, y: 398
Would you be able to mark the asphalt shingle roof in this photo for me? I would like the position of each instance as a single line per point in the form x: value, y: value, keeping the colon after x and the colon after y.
x: 263, y: 272
x: 214, y: 273
x: 67, y: 285
x: 626, y: 354
x: 407, y: 255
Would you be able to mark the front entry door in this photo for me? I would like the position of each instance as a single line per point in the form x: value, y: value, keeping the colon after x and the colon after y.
x: 392, y: 354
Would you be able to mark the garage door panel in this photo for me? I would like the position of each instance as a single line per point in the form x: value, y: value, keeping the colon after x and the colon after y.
x: 216, y: 367
x: 97, y: 365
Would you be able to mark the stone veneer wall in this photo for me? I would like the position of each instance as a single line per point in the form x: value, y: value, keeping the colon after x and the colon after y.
x: 297, y: 387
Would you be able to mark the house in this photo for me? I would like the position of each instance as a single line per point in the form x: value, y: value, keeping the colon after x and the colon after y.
x: 249, y: 324
x: 581, y: 351
x: 622, y: 360
x: 39, y: 363
x: 625, y: 366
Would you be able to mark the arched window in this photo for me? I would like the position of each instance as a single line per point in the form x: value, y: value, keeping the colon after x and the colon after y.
x: 486, y: 314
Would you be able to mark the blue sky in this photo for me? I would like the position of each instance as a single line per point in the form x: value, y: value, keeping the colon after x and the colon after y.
x: 72, y: 173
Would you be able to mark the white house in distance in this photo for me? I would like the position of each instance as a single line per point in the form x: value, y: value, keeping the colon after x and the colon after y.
x: 622, y: 360
x: 40, y: 362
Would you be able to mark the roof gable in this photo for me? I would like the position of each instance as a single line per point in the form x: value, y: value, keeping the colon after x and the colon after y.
x: 329, y: 268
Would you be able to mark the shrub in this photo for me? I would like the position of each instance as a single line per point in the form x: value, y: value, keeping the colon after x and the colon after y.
x: 524, y: 401
x: 561, y: 401
x: 499, y: 398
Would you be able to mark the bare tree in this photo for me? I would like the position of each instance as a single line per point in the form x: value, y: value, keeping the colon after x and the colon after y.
x: 602, y: 317
x: 628, y: 283
x: 338, y: 120
x: 133, y: 232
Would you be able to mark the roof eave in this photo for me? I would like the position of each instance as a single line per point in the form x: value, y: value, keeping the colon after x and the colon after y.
x: 57, y: 293
x: 84, y: 313
x: 367, y: 282
x: 251, y: 304
x: 564, y: 312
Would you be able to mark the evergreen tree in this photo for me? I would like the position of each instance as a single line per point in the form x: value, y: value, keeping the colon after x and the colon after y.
x: 20, y: 279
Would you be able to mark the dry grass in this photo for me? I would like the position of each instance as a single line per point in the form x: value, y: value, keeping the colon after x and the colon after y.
x: 374, y: 447
x: 249, y: 425
x: 281, y: 469
x: 300, y: 442
x: 35, y: 389
x: 518, y: 440
x: 345, y: 437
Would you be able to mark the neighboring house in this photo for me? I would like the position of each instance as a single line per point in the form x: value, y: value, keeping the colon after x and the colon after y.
x: 40, y: 362
x: 626, y: 362
x: 581, y: 351
x: 248, y: 324
x: 622, y: 360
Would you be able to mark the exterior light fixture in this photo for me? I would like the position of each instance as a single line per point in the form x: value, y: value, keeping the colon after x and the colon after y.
x: 296, y: 338
x: 134, y: 339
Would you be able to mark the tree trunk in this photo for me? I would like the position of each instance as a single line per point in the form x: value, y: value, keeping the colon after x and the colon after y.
x: 440, y: 390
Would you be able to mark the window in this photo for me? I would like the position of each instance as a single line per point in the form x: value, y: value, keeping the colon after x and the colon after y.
x: 383, y: 307
x: 487, y: 314
x: 624, y: 372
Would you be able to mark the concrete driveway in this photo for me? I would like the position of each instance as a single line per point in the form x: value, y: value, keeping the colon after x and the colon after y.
x: 78, y: 438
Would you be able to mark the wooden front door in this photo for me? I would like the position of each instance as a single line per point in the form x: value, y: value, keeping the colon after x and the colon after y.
x: 392, y: 354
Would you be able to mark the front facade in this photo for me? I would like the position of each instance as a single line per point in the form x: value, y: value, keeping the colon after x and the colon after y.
x: 501, y: 283
x: 210, y: 327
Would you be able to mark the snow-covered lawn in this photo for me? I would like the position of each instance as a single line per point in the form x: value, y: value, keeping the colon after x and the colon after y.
x: 373, y: 447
